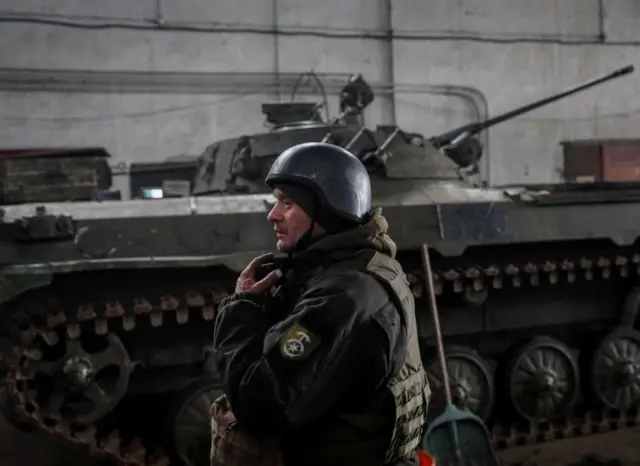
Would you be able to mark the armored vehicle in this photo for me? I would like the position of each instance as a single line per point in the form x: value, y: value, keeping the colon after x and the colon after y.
x: 108, y: 307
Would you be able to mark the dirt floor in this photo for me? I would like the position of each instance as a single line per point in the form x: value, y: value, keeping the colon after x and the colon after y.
x: 23, y: 449
x: 609, y: 449
x: 618, y: 448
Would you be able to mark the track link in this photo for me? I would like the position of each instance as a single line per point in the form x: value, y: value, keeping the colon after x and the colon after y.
x: 88, y: 318
x: 594, y: 422
x: 37, y: 318
x: 480, y: 278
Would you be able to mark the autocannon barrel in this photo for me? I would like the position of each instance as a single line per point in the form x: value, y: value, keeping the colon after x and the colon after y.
x: 475, y: 128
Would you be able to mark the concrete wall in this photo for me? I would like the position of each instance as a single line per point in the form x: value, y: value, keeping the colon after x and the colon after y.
x: 155, y: 78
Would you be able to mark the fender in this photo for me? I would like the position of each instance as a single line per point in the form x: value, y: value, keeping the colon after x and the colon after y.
x: 17, y: 279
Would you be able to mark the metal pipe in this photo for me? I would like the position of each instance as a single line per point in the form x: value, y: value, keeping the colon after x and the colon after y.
x: 388, y: 62
x: 160, y: 82
x: 103, y: 23
x: 276, y: 48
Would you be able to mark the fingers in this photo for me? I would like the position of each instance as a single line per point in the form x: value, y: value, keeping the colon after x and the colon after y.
x: 264, y: 269
x: 267, y: 282
x: 255, y: 263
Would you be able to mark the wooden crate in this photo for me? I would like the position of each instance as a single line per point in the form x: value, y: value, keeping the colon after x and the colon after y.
x: 53, y: 175
x: 601, y: 160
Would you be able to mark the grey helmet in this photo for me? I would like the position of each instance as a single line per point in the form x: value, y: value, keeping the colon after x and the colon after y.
x: 336, y: 176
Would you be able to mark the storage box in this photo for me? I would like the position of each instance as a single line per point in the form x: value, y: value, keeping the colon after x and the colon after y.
x: 53, y: 175
x: 601, y: 160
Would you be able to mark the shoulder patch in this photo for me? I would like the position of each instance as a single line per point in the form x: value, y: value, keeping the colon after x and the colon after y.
x: 298, y: 343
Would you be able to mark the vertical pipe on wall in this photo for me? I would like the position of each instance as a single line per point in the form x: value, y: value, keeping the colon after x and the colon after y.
x: 276, y: 49
x: 388, y: 73
x: 602, y: 33
x: 159, y: 19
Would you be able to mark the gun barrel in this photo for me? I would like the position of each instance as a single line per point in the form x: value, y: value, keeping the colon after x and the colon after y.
x: 573, y: 90
x: 475, y: 128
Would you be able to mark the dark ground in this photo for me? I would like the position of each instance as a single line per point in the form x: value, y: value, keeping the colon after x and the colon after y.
x: 609, y: 449
x: 22, y: 449
x: 621, y: 448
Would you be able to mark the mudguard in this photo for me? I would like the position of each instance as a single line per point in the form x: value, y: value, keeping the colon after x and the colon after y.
x: 15, y: 280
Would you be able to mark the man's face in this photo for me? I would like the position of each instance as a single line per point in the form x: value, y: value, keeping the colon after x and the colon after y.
x: 289, y: 221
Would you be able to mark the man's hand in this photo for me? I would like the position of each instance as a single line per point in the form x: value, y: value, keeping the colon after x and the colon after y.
x: 247, y: 280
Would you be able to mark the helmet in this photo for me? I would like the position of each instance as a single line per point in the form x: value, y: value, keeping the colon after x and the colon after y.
x: 338, y: 179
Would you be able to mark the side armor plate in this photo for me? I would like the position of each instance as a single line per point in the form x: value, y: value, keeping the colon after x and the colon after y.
x: 477, y: 222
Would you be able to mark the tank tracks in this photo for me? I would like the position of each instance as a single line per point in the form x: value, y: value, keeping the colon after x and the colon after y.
x: 505, y: 437
x: 477, y: 279
x: 88, y: 318
x: 39, y: 321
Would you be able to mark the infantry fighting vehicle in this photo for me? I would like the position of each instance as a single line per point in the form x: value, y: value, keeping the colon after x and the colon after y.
x: 108, y: 307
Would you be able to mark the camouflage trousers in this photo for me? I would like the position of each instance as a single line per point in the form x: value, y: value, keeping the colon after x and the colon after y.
x: 233, y: 446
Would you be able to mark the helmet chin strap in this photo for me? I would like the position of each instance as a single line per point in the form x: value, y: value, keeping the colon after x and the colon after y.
x: 307, y: 238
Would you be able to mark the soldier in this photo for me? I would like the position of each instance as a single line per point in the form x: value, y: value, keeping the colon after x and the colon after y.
x: 327, y: 367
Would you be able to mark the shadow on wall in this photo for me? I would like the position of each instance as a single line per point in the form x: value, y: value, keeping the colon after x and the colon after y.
x: 22, y: 449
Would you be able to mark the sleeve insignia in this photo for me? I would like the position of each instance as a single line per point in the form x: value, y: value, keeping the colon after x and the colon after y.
x: 298, y: 343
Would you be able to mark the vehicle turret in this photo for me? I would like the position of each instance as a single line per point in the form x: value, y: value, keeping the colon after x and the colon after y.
x: 238, y: 165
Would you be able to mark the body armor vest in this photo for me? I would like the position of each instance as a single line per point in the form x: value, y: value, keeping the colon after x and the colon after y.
x: 409, y: 387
